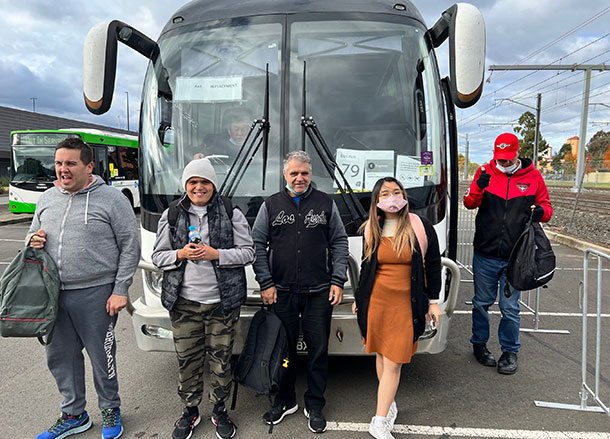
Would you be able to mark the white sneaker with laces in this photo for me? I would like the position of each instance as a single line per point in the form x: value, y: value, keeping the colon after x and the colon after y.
x: 379, y: 428
x: 392, y: 414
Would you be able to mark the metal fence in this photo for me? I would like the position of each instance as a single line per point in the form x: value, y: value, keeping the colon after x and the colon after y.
x: 465, y: 250
x: 586, y: 390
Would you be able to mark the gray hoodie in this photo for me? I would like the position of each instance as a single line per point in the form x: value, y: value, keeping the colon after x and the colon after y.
x: 92, y: 235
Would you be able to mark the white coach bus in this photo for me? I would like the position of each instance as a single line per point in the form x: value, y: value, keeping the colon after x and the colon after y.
x: 355, y: 83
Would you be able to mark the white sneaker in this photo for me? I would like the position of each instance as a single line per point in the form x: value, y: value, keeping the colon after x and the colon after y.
x: 392, y: 414
x: 379, y: 428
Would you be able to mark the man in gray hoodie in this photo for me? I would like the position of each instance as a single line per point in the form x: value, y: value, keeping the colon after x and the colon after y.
x: 90, y: 231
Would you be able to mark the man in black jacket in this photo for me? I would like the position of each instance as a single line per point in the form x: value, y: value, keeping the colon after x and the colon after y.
x: 301, y: 266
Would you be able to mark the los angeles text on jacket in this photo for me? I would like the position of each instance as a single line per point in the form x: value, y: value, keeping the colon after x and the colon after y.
x: 307, y: 244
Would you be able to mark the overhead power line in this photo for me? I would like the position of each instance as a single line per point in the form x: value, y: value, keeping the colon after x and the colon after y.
x: 563, y: 36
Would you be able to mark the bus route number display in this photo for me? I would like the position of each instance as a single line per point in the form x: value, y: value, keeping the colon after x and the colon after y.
x: 39, y: 139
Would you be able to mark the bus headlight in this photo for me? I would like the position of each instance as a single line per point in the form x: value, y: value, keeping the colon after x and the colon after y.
x: 153, y: 281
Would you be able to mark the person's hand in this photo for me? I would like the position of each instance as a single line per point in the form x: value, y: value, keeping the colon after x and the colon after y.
x: 538, y: 212
x: 434, y: 313
x: 269, y: 296
x: 115, y: 304
x: 484, y: 178
x: 210, y: 253
x: 38, y: 239
x: 336, y: 295
x: 192, y: 252
x: 354, y: 307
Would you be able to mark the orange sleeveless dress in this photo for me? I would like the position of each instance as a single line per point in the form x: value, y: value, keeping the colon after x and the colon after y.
x: 389, y: 318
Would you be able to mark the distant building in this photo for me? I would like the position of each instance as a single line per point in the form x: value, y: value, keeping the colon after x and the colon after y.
x: 12, y: 119
x: 544, y: 164
x: 574, y: 142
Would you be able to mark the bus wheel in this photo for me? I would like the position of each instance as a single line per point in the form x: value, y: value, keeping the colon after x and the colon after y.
x: 129, y: 197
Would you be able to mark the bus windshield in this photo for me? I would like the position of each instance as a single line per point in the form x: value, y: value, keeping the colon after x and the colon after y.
x: 372, y: 88
x: 33, y: 163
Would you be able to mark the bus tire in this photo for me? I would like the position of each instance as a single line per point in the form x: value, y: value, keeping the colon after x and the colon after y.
x: 129, y: 197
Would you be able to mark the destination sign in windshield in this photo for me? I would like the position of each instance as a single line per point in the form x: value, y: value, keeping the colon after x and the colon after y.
x: 40, y: 139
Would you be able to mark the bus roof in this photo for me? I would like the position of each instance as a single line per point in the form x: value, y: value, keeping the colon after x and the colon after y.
x: 91, y: 135
x: 205, y: 10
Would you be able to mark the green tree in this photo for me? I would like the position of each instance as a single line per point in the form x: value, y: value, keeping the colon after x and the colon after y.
x: 527, y: 130
x: 556, y: 162
x: 597, y: 146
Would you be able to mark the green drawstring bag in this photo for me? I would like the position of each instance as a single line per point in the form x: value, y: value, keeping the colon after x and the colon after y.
x: 29, y: 294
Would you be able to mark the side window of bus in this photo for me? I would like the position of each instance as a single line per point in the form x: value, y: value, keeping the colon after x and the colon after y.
x: 129, y: 163
x: 101, y: 163
x: 113, y: 163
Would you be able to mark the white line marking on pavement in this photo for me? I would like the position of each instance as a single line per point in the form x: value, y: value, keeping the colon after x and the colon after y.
x: 550, y: 314
x: 472, y: 432
x: 11, y: 240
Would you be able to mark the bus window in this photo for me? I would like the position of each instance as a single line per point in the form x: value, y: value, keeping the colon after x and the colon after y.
x: 101, y: 162
x: 129, y: 163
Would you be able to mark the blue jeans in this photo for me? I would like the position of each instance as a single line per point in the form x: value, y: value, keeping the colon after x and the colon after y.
x: 488, y: 274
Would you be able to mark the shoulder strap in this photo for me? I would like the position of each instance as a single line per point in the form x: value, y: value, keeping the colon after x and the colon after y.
x: 172, y: 215
x: 420, y: 233
x: 228, y: 205
x: 422, y: 239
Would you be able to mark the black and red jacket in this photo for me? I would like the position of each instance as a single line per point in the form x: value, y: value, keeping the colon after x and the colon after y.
x: 504, y: 207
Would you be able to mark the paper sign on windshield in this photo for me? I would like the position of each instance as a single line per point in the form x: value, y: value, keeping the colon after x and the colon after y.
x: 225, y: 89
x: 407, y: 171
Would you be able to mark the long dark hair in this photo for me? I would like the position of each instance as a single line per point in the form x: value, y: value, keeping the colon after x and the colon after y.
x: 404, y: 235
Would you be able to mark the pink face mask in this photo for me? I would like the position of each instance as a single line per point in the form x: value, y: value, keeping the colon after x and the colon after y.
x: 392, y: 204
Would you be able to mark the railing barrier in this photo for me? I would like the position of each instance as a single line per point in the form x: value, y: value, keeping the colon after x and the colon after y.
x: 586, y: 390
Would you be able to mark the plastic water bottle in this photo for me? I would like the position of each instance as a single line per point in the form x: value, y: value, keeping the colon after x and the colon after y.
x: 194, y: 235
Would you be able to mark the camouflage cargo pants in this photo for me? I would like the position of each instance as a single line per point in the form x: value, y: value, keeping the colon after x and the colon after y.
x: 201, y: 329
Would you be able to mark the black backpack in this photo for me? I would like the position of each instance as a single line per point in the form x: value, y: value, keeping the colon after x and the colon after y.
x: 29, y: 295
x: 264, y: 358
x: 532, y: 262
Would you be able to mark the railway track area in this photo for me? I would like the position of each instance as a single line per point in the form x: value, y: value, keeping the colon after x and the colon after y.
x: 589, y: 201
x: 589, y: 221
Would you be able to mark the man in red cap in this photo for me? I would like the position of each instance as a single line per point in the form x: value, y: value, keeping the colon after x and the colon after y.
x: 506, y: 191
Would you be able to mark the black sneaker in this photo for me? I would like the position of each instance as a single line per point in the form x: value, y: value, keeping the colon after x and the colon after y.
x: 184, y: 426
x: 317, y: 421
x: 278, y: 412
x: 220, y: 418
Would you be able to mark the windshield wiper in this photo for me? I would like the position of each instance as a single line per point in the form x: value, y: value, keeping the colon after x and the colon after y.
x: 249, y: 148
x: 310, y: 129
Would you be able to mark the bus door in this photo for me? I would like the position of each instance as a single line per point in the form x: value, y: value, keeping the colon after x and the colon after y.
x: 101, y: 162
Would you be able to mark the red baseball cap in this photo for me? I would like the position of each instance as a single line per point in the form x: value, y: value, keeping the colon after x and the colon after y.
x: 506, y: 147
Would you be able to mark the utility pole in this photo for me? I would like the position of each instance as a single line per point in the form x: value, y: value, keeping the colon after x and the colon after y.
x: 466, y: 159
x: 587, y: 68
x: 537, y: 134
x: 127, y: 93
x: 34, y: 104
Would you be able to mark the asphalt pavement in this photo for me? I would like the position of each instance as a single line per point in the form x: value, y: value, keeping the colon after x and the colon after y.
x: 440, y: 396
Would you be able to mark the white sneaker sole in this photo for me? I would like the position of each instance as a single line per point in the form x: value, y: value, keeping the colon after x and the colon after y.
x: 306, y: 413
x: 197, y: 421
x: 290, y: 411
x: 77, y: 430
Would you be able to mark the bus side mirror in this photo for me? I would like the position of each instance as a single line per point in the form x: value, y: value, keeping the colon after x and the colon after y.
x: 99, y: 60
x: 464, y: 25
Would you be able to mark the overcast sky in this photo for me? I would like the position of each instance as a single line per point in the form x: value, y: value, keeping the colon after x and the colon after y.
x: 41, y: 56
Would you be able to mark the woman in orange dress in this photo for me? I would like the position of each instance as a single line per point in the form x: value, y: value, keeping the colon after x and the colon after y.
x: 397, y: 292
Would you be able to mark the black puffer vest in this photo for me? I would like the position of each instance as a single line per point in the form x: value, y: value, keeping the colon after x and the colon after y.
x: 231, y: 281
